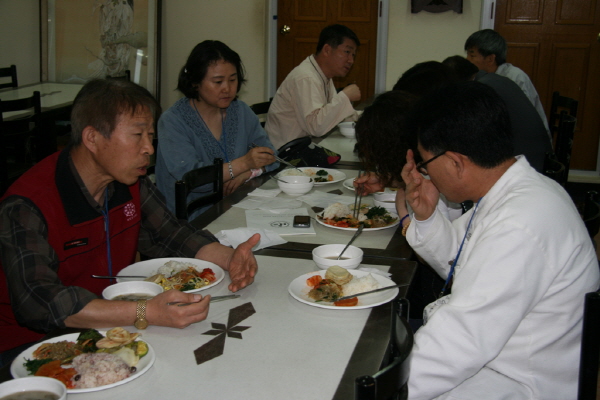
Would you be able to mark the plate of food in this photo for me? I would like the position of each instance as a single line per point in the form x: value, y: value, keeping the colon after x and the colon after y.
x: 323, y: 288
x: 374, y: 218
x: 321, y: 176
x: 89, y: 361
x: 189, y: 275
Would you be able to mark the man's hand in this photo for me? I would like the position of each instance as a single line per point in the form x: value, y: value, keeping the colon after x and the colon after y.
x: 352, y: 91
x: 242, y: 265
x: 159, y: 313
x: 421, y: 193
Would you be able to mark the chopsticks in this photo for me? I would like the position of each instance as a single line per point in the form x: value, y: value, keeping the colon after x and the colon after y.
x: 212, y: 300
x: 358, y: 194
x: 281, y: 160
x: 372, y: 291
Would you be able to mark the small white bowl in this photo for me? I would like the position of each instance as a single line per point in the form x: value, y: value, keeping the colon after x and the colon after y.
x: 295, y: 185
x: 347, y: 129
x: 325, y: 256
x: 33, y: 384
x: 149, y: 289
x: 388, y: 205
x: 385, y: 196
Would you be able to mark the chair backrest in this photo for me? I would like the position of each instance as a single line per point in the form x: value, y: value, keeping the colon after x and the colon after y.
x: 590, y: 348
x: 126, y: 76
x: 9, y: 72
x: 261, y: 109
x: 196, y: 178
x: 554, y: 169
x: 559, y: 104
x: 17, y: 138
x: 591, y: 213
x: 392, y: 378
x: 564, y: 140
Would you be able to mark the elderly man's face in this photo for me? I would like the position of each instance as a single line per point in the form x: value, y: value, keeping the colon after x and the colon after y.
x: 341, y: 59
x: 126, y: 155
x: 487, y: 64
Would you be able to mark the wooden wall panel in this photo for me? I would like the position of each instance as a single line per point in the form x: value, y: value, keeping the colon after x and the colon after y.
x: 524, y: 12
x: 526, y: 56
x: 575, y: 12
x: 353, y: 11
x: 310, y: 11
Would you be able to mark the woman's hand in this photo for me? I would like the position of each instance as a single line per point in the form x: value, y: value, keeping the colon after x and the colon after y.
x: 231, y: 185
x: 258, y: 157
x: 369, y: 183
x: 421, y: 194
x: 159, y: 313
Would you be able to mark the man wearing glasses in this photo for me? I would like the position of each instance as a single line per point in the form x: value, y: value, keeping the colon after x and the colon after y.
x: 508, y: 321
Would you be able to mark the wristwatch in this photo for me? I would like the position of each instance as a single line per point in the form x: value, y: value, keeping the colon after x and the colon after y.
x: 140, y: 315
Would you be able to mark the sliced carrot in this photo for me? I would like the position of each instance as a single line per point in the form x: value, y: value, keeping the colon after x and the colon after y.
x: 314, y: 281
x: 351, y: 302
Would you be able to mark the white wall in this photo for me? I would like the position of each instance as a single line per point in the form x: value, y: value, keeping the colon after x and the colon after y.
x: 20, y: 30
x: 242, y: 25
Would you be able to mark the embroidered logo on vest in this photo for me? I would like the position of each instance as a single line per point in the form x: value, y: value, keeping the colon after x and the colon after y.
x: 75, y: 243
x: 130, y: 211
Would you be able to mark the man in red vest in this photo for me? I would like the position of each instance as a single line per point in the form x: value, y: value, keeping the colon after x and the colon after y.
x: 88, y: 210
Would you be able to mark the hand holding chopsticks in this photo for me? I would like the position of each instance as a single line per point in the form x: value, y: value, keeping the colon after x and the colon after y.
x: 358, y: 193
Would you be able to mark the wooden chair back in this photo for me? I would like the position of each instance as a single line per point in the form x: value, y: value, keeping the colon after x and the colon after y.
x: 262, y: 109
x: 591, y: 213
x: 194, y: 179
x: 564, y: 140
x: 9, y: 72
x: 559, y: 104
x: 554, y: 169
x: 392, y: 379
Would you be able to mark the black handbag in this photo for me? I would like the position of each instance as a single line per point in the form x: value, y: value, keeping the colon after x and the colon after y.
x: 302, y: 152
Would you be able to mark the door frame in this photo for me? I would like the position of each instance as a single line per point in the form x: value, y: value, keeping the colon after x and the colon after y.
x: 380, y: 62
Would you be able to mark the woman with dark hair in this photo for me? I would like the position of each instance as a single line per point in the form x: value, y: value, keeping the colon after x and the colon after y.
x: 210, y: 122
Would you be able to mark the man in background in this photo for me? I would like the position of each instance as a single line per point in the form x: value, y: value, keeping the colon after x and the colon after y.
x: 307, y: 102
x: 487, y: 50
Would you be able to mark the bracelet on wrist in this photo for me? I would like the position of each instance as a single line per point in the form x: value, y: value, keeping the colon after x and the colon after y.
x: 402, y: 220
x: 405, y: 228
x: 230, y: 170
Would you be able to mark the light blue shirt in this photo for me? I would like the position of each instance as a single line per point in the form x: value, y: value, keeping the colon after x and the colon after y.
x: 185, y: 143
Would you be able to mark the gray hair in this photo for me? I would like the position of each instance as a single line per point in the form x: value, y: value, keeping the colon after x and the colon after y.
x: 488, y: 42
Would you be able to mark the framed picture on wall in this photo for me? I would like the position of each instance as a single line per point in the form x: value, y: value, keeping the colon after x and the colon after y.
x: 87, y: 39
x: 436, y: 6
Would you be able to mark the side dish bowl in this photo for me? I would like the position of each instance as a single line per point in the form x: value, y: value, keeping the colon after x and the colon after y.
x: 31, y: 385
x: 347, y: 129
x: 325, y: 256
x: 295, y: 185
x: 132, y: 289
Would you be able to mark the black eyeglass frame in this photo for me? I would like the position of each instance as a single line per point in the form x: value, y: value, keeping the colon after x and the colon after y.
x: 421, y: 166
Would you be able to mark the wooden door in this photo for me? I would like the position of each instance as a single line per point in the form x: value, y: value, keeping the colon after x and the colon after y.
x: 556, y: 42
x: 306, y: 19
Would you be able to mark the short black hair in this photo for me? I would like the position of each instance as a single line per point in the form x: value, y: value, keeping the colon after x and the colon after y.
x: 382, y: 136
x: 425, y: 77
x: 488, y: 42
x: 100, y: 102
x: 464, y: 69
x: 202, y: 56
x: 467, y: 118
x: 334, y: 35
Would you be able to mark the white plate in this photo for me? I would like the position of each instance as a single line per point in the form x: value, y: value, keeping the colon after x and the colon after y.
x: 337, y: 176
x: 19, y: 371
x: 150, y: 267
x: 394, y: 215
x: 349, y: 184
x: 299, y: 290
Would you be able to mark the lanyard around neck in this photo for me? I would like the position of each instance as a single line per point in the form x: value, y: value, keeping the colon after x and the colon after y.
x: 223, y: 132
x: 451, y: 272
x: 107, y: 230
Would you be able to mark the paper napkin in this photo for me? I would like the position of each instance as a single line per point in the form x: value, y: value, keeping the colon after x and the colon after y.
x: 234, y: 237
x: 375, y: 271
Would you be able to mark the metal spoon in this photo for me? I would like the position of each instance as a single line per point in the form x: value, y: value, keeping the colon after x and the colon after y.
x: 120, y: 276
x: 358, y: 232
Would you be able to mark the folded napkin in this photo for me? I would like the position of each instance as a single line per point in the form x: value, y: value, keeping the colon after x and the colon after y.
x: 258, y: 192
x: 234, y: 237
x: 375, y: 271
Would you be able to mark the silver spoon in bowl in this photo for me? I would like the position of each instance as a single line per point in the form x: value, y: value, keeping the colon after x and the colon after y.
x: 358, y: 232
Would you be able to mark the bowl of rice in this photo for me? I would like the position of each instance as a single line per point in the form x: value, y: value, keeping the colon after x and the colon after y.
x: 325, y: 256
x: 132, y: 291
x: 347, y: 129
x: 293, y: 185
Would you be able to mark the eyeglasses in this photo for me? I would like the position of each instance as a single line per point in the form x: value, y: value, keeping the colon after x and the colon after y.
x: 421, y: 166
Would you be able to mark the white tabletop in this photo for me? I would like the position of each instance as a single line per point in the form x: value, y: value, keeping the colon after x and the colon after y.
x: 52, y: 95
x: 235, y: 217
x: 290, y: 350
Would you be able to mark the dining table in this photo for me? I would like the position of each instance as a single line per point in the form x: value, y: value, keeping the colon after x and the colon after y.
x: 56, y: 97
x: 266, y: 344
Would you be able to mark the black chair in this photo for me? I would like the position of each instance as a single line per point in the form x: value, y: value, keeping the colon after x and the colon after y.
x: 554, y: 169
x: 391, y: 381
x: 12, y: 72
x: 591, y: 213
x: 18, y: 138
x: 126, y: 76
x: 590, y: 348
x: 262, y: 109
x: 196, y: 178
x: 564, y: 140
x: 559, y: 104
